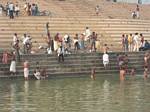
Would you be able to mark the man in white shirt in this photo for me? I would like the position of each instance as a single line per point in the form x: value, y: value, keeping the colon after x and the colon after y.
x: 105, y: 60
x: 17, y: 9
x: 66, y: 38
x: 24, y: 43
x: 87, y: 34
x: 28, y: 43
x: 11, y: 10
x: 136, y: 42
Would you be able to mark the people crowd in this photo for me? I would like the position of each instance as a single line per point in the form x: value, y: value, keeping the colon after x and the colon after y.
x: 136, y: 42
x: 66, y: 45
x: 62, y: 45
x: 136, y: 13
x: 14, y: 9
x: 31, y: 9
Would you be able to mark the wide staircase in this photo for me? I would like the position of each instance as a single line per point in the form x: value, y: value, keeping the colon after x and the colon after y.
x: 75, y: 64
x: 109, y: 30
x: 71, y: 17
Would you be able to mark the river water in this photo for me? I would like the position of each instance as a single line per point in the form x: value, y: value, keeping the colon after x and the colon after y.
x: 105, y: 94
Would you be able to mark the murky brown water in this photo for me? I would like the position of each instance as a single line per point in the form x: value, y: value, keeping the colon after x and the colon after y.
x: 105, y: 94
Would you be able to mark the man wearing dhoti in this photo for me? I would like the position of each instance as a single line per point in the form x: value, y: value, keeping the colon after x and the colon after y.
x: 26, y: 70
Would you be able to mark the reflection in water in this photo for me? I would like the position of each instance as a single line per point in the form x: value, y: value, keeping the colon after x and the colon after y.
x: 26, y: 87
x: 25, y: 96
x: 13, y: 104
x: 105, y: 94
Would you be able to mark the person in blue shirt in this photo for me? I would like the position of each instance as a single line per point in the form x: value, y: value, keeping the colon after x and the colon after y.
x: 145, y: 47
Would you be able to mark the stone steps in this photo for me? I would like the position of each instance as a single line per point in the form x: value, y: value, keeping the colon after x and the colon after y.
x: 70, y: 74
x: 35, y: 26
x: 80, y: 64
x: 77, y: 63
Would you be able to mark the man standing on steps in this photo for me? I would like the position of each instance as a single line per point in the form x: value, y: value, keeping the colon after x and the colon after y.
x: 24, y: 39
x: 15, y: 39
x: 105, y: 60
x: 47, y: 28
x: 11, y: 10
x: 48, y: 37
x: 137, y: 12
x: 16, y: 46
x: 93, y: 41
x: 136, y: 42
x: 130, y: 42
x: 97, y: 10
x: 13, y: 64
x: 60, y: 53
x: 87, y: 33
x: 16, y: 9
x: 26, y: 69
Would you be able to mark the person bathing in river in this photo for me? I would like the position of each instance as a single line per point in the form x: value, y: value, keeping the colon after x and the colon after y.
x: 93, y: 74
x: 122, y: 73
x: 132, y: 72
x: 26, y: 70
x: 37, y: 73
x: 43, y: 73
x: 13, y: 64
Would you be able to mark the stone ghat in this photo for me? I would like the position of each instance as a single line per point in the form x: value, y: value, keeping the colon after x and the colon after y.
x: 74, y: 65
x: 109, y: 30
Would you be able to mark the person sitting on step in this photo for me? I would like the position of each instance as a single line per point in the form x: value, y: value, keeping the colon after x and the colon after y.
x: 134, y: 15
x: 146, y: 46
